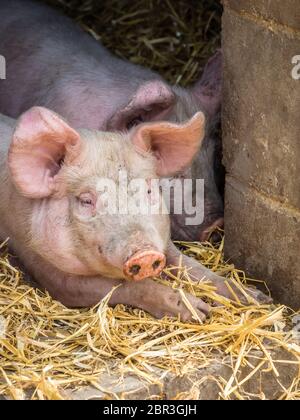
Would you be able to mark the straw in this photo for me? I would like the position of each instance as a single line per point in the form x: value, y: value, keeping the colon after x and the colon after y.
x: 46, y: 349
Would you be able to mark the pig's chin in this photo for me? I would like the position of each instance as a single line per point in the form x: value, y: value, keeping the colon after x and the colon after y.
x: 99, y: 268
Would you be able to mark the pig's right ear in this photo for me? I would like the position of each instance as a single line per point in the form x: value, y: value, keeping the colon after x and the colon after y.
x: 41, y: 141
x: 173, y: 145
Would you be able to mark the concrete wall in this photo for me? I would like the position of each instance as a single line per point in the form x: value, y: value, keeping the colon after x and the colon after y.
x: 261, y: 128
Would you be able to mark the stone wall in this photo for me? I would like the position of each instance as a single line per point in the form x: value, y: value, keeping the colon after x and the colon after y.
x: 261, y: 128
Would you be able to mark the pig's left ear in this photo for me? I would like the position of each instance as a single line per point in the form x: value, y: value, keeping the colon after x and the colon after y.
x: 41, y: 142
x: 173, y: 145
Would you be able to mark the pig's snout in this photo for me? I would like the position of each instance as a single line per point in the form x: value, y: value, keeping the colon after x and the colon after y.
x: 209, y: 233
x: 144, y: 264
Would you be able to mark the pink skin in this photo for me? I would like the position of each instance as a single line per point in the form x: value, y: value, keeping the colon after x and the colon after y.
x: 57, y: 230
x: 148, y: 295
x: 144, y: 264
x: 66, y: 70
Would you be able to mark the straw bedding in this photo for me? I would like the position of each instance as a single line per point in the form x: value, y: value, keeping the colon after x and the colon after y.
x: 46, y: 349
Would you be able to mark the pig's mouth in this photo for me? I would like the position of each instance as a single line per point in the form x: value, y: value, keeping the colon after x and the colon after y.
x: 144, y: 264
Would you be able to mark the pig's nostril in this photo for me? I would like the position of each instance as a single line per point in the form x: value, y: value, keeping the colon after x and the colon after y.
x: 135, y: 269
x: 156, y: 264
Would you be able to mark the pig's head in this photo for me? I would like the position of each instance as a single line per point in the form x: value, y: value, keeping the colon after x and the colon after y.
x: 59, y: 173
x: 154, y: 100
x: 205, y: 95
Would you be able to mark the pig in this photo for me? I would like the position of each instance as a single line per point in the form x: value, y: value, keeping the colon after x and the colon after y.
x: 53, y: 63
x: 53, y: 211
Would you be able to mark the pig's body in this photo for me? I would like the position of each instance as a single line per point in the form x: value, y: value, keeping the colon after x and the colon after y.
x: 53, y: 63
x: 52, y: 210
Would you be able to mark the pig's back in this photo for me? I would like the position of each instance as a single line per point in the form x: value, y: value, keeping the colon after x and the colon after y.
x: 52, y: 62
x: 41, y: 47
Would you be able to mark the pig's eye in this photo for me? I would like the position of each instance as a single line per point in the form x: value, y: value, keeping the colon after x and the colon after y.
x: 135, y: 121
x: 149, y: 191
x: 86, y: 200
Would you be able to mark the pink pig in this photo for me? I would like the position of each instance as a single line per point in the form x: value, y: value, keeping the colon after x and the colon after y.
x: 51, y: 62
x: 52, y: 210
